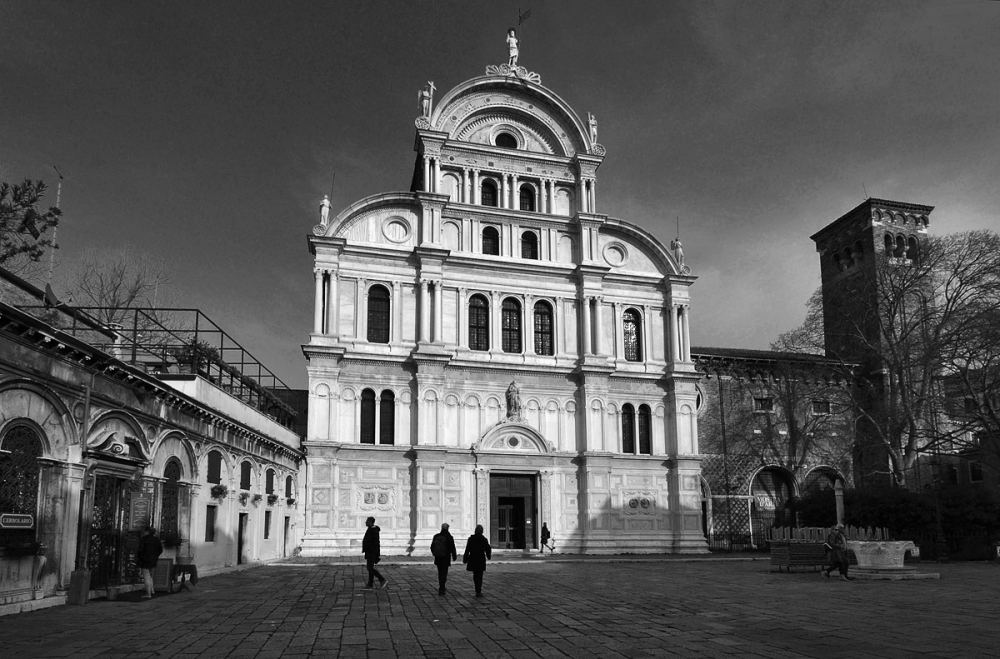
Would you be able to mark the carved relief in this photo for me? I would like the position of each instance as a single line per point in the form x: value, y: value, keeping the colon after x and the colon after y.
x: 376, y: 497
x: 638, y: 502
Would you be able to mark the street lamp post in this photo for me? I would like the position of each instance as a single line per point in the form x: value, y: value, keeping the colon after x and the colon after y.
x: 940, y: 544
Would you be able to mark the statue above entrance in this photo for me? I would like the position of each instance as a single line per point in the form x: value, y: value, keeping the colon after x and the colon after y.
x: 514, y: 402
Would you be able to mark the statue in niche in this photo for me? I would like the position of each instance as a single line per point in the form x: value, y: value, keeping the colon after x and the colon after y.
x: 592, y: 122
x: 425, y: 98
x: 678, y: 251
x: 513, y: 401
x: 512, y: 48
x: 324, y: 210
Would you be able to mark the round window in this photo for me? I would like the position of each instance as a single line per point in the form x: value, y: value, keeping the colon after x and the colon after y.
x: 506, y: 140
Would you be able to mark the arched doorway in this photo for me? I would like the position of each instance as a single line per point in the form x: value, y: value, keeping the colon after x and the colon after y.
x: 771, y: 489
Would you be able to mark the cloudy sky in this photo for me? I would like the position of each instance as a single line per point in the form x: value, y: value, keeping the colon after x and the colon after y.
x: 207, y: 132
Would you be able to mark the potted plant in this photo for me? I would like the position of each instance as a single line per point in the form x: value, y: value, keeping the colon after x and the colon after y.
x: 257, y: 499
x: 113, y: 588
x: 244, y: 497
x: 272, y: 499
x: 219, y: 492
x: 290, y: 501
x: 196, y: 355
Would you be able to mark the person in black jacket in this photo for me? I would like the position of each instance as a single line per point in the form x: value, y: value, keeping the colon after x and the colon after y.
x: 444, y: 552
x: 477, y: 552
x: 146, y: 557
x: 372, y: 551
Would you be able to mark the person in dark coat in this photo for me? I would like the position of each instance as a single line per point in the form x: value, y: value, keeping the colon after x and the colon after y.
x: 146, y: 557
x: 545, y: 538
x: 837, y: 550
x: 444, y: 552
x: 373, y: 553
x: 477, y: 552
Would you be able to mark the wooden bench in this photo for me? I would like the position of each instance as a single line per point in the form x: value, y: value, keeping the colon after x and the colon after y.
x: 801, y: 553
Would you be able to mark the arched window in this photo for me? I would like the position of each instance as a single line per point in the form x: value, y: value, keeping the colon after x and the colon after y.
x: 858, y: 253
x: 900, y: 251
x: 367, y: 416
x: 169, y: 504
x: 19, y: 472
x: 506, y: 140
x: 214, y: 467
x: 529, y: 245
x: 387, y: 418
x: 491, y: 241
x: 378, y: 314
x: 479, y: 323
x: 245, y: 469
x: 488, y: 193
x: 543, y: 328
x: 632, y: 328
x: 269, y: 482
x: 628, y: 429
x: 645, y: 427
x: 527, y: 198
x: 911, y: 249
x: 289, y: 485
x: 511, y: 317
x: 888, y: 245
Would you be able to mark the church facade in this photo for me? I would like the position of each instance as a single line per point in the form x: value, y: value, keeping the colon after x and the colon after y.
x: 490, y: 348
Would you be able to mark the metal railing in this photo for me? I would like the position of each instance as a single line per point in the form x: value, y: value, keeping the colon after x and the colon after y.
x: 174, y: 341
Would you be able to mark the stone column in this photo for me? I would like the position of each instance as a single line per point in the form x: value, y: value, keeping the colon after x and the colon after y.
x: 529, y: 325
x: 686, y: 336
x: 331, y: 304
x: 559, y: 327
x: 437, y: 174
x: 378, y: 416
x: 542, y: 196
x: 438, y: 312
x: 464, y: 196
x: 619, y: 331
x: 503, y: 191
x: 675, y: 350
x: 397, y: 314
x: 463, y: 314
x: 425, y: 313
x: 515, y: 192
x: 496, y: 337
x: 362, y: 311
x: 476, y: 191
x: 318, y: 311
x: 586, y: 325
x: 593, y: 195
x: 646, y: 333
x: 599, y: 322
x: 427, y: 174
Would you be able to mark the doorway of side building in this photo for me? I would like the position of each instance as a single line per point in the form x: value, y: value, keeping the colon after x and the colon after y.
x: 241, y: 538
x: 513, y: 511
x: 286, y: 537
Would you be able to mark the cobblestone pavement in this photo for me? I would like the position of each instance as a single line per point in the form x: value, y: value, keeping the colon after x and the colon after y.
x: 532, y: 609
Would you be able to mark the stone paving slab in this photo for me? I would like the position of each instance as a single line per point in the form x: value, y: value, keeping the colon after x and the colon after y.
x: 532, y: 610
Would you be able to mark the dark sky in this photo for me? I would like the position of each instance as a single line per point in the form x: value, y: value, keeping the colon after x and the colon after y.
x: 206, y: 133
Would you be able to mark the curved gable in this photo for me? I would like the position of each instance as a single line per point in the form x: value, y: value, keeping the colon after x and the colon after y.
x: 627, y: 248
x: 477, y: 109
x: 387, y: 219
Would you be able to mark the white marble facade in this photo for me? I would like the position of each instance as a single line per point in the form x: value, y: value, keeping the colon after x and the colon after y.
x: 419, y: 330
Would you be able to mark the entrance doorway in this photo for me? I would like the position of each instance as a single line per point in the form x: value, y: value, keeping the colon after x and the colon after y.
x: 513, y: 511
x: 108, y: 557
x: 286, y: 537
x: 241, y: 538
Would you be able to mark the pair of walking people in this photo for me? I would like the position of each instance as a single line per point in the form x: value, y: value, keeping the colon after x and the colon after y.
x: 836, y: 549
x: 477, y: 552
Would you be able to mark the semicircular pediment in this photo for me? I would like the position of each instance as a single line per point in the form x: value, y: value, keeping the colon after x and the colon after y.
x: 513, y: 437
x: 546, y: 117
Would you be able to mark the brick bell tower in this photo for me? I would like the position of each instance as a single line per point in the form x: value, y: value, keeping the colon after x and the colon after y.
x: 849, y: 248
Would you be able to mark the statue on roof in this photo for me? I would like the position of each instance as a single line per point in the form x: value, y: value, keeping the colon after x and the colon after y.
x: 512, y: 48
x: 592, y: 123
x: 324, y: 210
x: 678, y: 251
x: 425, y: 98
x: 514, y: 401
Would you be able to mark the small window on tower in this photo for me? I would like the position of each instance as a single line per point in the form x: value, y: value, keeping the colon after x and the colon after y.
x: 763, y: 405
x: 506, y: 140
x: 821, y: 407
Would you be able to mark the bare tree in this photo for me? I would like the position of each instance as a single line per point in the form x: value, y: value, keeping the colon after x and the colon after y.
x: 111, y: 281
x: 907, y: 327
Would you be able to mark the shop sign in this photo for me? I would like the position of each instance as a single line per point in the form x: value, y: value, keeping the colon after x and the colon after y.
x: 16, y: 521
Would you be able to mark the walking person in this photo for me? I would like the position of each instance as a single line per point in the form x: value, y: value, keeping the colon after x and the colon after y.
x: 545, y: 538
x: 372, y: 551
x: 147, y: 555
x: 836, y: 543
x: 477, y: 552
x: 444, y: 552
